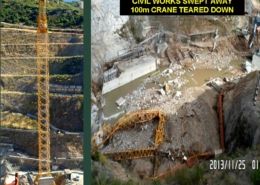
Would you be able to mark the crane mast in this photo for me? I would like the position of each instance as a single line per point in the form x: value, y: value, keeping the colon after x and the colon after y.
x: 43, y: 91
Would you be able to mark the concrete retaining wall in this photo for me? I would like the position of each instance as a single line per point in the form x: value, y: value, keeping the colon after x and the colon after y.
x: 131, y: 71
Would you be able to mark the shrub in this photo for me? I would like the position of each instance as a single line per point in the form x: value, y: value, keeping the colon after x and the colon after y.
x: 255, y: 177
x: 25, y: 12
x: 193, y: 176
x: 102, y: 180
x: 97, y: 156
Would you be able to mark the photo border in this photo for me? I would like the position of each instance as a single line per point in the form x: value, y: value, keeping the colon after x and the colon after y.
x: 87, y: 92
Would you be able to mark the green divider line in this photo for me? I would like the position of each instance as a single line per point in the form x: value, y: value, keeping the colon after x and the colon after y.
x: 87, y: 92
x: 0, y: 59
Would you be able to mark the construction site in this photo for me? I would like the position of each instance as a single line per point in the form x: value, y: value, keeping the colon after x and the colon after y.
x: 170, y: 93
x: 41, y: 128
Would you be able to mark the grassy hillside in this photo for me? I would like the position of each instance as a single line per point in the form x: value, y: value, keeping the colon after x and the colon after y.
x: 60, y: 15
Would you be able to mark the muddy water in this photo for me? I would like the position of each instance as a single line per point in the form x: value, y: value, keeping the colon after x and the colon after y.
x: 199, y: 77
x: 111, y: 97
x: 194, y: 78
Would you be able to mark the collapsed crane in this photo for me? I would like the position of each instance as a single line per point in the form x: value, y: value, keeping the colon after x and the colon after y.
x: 128, y: 121
x: 131, y: 120
x: 140, y: 117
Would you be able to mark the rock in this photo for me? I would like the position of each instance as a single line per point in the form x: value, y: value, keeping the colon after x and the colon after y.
x: 242, y: 126
x: 121, y: 101
x: 256, y: 62
x: 142, y: 167
x: 161, y: 48
x: 94, y: 117
x: 170, y: 71
x: 162, y: 92
x: 248, y: 66
x: 225, y: 79
x: 217, y: 83
x: 106, y: 24
x: 189, y: 111
x: 98, y: 137
x: 178, y: 82
x: 178, y: 94
x: 110, y: 170
x: 168, y: 88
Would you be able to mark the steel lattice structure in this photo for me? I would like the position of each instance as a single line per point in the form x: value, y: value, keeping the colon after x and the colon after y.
x: 43, y: 91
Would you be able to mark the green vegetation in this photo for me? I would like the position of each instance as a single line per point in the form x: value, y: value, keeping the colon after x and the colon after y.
x: 66, y: 79
x: 67, y: 66
x: 156, y: 182
x: 228, y: 179
x: 105, y: 181
x: 255, y: 177
x: 97, y: 156
x: 102, y: 180
x: 193, y: 176
x: 60, y: 15
x: 18, y: 121
x: 187, y: 176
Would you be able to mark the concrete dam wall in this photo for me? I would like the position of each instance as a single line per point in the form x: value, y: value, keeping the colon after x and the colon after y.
x: 131, y: 71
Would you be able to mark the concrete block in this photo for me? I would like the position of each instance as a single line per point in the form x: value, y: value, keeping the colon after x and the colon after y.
x: 256, y: 62
x: 46, y: 181
x: 131, y: 70
x: 121, y: 101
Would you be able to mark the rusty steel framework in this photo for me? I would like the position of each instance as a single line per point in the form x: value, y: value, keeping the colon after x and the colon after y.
x: 128, y: 121
x: 131, y: 120
x: 132, y: 154
x: 139, y: 117
x: 191, y: 161
x: 43, y: 91
x: 134, y: 118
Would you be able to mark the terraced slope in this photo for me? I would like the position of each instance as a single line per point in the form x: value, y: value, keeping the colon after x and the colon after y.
x: 18, y: 77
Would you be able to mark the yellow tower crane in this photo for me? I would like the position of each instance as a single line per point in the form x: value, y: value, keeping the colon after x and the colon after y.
x: 43, y: 94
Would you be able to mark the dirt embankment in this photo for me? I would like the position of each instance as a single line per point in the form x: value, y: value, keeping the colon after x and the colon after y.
x: 242, y: 117
x: 22, y: 44
x: 191, y: 126
x: 66, y: 150
x: 67, y: 146
x: 192, y: 121
x: 65, y: 111
x: 19, y: 36
x: 18, y: 82
x: 194, y: 126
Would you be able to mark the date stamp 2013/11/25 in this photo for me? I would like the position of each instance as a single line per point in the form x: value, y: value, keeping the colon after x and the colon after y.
x: 234, y: 164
